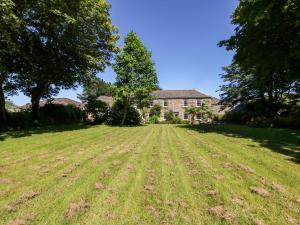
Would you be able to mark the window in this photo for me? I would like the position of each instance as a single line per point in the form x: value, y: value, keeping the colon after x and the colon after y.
x: 185, y: 103
x: 166, y: 103
x: 186, y: 116
x: 151, y: 103
x: 176, y: 114
x: 198, y: 116
x: 199, y: 103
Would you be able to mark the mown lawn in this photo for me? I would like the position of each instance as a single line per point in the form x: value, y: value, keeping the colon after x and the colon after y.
x: 156, y: 174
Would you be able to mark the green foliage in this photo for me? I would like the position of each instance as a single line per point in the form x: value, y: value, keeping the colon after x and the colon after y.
x: 170, y: 116
x: 155, y: 110
x: 177, y: 120
x: 20, y: 119
x: 136, y: 75
x: 59, y: 43
x: 266, y: 64
x: 115, y: 116
x: 55, y: 113
x: 205, y: 112
x: 93, y: 88
x: 9, y: 52
x: 153, y: 119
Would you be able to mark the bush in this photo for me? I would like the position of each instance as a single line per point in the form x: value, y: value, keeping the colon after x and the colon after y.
x: 98, y: 110
x: 290, y: 118
x: 260, y: 121
x: 177, y: 120
x: 115, y: 115
x: 154, y: 120
x: 20, y: 119
x: 170, y: 117
x: 155, y: 110
x: 54, y: 113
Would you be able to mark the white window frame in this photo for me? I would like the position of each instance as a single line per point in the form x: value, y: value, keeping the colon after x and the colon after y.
x: 184, y: 116
x: 187, y: 103
x: 201, y: 103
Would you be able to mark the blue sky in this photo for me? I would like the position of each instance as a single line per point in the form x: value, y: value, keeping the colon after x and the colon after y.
x: 182, y: 36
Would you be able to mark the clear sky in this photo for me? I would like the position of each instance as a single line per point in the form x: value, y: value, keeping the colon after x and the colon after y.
x: 182, y: 36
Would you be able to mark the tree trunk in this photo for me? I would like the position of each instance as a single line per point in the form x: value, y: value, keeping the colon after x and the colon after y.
x: 192, y: 119
x: 3, y: 113
x: 35, y: 106
x: 125, y: 114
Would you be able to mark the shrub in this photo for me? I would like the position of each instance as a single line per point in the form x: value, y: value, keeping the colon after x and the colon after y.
x: 115, y: 115
x: 55, y: 113
x: 155, y: 110
x: 177, y: 120
x: 98, y: 110
x: 154, y: 120
x: 290, y: 118
x: 20, y: 119
x: 170, y: 117
x: 260, y: 121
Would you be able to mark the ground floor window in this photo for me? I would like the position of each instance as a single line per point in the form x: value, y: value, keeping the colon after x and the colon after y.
x: 198, y: 116
x: 176, y: 114
x: 186, y: 116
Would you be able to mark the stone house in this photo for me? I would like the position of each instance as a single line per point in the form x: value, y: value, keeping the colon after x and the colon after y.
x: 178, y: 100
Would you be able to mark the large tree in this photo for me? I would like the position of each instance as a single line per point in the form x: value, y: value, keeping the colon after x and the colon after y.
x: 9, y: 52
x: 60, y: 41
x: 266, y: 63
x: 136, y: 74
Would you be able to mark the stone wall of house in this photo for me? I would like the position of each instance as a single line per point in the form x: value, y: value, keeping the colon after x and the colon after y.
x: 177, y: 105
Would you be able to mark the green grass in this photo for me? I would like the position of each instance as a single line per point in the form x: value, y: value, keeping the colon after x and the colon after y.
x: 156, y: 174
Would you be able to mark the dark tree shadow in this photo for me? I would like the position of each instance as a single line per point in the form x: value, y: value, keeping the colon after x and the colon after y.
x: 42, y: 129
x: 24, y: 132
x: 283, y: 141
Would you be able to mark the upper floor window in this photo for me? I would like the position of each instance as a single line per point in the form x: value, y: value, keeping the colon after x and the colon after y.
x: 185, y: 103
x: 199, y: 102
x: 166, y: 103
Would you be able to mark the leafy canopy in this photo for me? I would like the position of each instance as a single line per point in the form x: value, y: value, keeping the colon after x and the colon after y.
x: 61, y: 41
x: 136, y: 74
x: 266, y: 63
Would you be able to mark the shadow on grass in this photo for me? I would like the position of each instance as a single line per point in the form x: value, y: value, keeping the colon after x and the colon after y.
x: 24, y: 132
x: 283, y: 141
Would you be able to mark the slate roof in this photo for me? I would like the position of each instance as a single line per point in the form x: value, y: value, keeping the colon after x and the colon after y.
x: 56, y: 101
x: 178, y: 94
x: 62, y: 101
